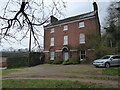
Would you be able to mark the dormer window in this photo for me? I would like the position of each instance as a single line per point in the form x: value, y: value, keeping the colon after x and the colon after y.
x: 81, y: 24
x: 65, y: 28
x: 52, y: 30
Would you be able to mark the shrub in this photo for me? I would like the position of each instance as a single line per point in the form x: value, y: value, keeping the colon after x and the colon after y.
x: 50, y: 61
x: 66, y: 62
x: 35, y: 60
x: 100, y: 52
x: 71, y: 61
x: 14, y: 62
x: 86, y: 61
x: 57, y: 61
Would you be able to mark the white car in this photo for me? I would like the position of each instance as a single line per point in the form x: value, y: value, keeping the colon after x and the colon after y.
x: 107, y: 61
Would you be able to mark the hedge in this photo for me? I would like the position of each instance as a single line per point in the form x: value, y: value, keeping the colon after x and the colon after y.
x: 14, y: 62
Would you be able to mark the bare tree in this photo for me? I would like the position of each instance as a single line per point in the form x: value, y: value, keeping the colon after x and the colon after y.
x: 23, y: 17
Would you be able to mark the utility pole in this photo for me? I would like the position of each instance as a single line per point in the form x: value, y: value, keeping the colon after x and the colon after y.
x: 29, y: 58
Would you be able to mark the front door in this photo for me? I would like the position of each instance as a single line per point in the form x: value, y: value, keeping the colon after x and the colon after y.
x: 66, y: 56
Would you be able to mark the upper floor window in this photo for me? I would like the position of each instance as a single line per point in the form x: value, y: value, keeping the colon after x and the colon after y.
x: 65, y: 40
x: 81, y: 24
x: 52, y: 42
x: 65, y: 28
x: 82, y: 38
x: 52, y: 30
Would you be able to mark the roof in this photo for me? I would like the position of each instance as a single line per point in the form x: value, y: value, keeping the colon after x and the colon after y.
x: 74, y: 18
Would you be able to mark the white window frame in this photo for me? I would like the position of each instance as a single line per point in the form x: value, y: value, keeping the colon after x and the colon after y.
x: 81, y: 24
x: 52, y: 30
x: 65, y: 40
x: 65, y: 27
x: 82, y: 55
x: 52, y: 41
x: 82, y: 38
x: 52, y: 55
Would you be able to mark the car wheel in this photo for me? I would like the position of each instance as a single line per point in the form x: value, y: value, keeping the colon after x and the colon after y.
x: 96, y: 66
x: 107, y: 65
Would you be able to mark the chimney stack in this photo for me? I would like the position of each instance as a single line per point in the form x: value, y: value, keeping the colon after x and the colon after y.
x: 53, y: 19
x: 95, y: 6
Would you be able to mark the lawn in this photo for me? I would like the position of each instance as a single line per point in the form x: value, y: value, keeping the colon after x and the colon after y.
x: 79, y: 71
x: 26, y: 83
x: 12, y: 70
x: 111, y: 71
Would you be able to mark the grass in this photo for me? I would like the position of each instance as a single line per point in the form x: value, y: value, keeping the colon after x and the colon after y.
x: 25, y: 83
x: 111, y: 71
x: 47, y: 68
x: 8, y: 71
x: 97, y: 78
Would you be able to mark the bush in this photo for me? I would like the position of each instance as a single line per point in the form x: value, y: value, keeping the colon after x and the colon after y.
x: 14, y: 62
x: 86, y: 61
x: 100, y: 52
x: 35, y: 60
x: 71, y: 61
x: 50, y: 61
x: 57, y: 61
x: 66, y: 62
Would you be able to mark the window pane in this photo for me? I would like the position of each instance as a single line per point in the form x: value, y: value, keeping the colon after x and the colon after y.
x: 52, y: 42
x: 52, y: 30
x: 65, y: 40
x: 83, y: 55
x: 52, y: 55
x: 65, y: 27
x: 81, y: 24
x: 82, y: 38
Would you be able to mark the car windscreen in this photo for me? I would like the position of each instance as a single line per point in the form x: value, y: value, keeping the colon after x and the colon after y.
x: 105, y: 57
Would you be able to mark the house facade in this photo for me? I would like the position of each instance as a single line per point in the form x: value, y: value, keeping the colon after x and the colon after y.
x: 73, y: 37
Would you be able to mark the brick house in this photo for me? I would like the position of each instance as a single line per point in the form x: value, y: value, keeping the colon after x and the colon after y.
x: 72, y: 37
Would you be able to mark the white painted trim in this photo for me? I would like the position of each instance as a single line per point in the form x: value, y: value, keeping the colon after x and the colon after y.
x: 61, y: 51
x: 64, y: 47
x: 69, y: 22
x: 74, y: 50
x: 58, y: 50
x: 46, y: 51
x: 90, y: 49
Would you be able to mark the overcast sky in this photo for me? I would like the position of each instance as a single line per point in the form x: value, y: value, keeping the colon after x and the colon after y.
x: 74, y: 7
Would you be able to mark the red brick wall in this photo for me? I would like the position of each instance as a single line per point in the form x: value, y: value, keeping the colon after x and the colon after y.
x: 73, y: 33
x: 3, y: 62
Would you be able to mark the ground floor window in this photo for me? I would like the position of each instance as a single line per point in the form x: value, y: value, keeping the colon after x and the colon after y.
x: 82, y: 55
x: 52, y: 55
